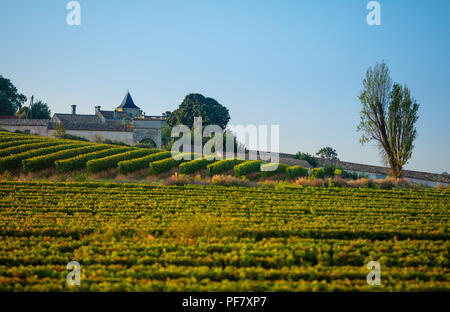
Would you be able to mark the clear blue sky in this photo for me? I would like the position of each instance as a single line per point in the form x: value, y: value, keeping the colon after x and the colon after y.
x: 298, y: 64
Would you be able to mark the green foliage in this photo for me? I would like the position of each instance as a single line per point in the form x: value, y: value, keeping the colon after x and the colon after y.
x: 196, y: 105
x: 15, y: 161
x: 39, y: 110
x: 330, y: 182
x: 329, y: 170
x: 15, y: 143
x: 305, y: 156
x: 167, y: 164
x: 327, y: 153
x: 7, y: 176
x: 7, y: 137
x: 146, y: 143
x: 195, y: 165
x: 337, y: 172
x: 388, y: 117
x: 128, y: 166
x: 82, y: 177
x: 10, y: 99
x: 267, y: 170
x: 296, y: 171
x: 79, y: 162
x: 349, y: 175
x: 223, y: 165
x: 98, y: 165
x: 166, y: 139
x: 221, y: 238
x: 317, y: 173
x: 163, y: 165
x: 48, y: 161
x: 247, y: 167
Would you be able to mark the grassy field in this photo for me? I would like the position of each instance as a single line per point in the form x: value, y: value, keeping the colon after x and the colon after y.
x: 137, y: 237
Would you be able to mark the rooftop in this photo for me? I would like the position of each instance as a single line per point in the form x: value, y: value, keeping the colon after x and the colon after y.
x: 86, y: 122
x: 127, y: 102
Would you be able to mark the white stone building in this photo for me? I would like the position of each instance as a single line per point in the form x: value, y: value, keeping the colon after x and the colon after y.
x: 125, y: 124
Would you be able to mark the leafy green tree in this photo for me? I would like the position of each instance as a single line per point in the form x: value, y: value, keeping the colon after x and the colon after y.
x: 388, y: 116
x: 10, y: 99
x: 327, y: 153
x: 309, y: 158
x: 196, y: 105
x: 39, y: 110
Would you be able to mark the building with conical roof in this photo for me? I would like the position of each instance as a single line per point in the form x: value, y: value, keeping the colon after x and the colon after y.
x: 126, y: 124
x: 127, y: 106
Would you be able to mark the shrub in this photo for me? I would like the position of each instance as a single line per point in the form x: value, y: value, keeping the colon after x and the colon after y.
x: 14, y: 142
x: 222, y: 165
x: 14, y: 137
x: 337, y: 172
x: 79, y: 162
x: 302, y: 181
x: 329, y: 170
x: 247, y: 167
x: 386, y: 183
x: 268, y: 170
x: 360, y: 183
x: 82, y: 177
x: 317, y: 173
x: 7, y: 176
x: 97, y: 165
x: 26, y: 147
x: 403, y: 183
x: 296, y: 171
x: 164, y: 165
x: 182, y: 179
x: 305, y: 156
x: 195, y: 165
x: 363, y: 175
x: 128, y: 166
x: 338, y: 181
x: 48, y: 161
x: 15, y: 161
x: 318, y: 182
x: 229, y: 181
x: 349, y: 175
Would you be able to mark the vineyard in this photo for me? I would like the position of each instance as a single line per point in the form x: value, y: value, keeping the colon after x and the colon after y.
x: 136, y: 237
x: 28, y: 153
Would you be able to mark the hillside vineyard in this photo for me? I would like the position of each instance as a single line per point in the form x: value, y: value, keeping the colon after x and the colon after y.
x: 138, y: 237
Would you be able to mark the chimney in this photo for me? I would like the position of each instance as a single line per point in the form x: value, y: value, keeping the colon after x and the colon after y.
x: 74, y: 109
x: 97, y: 109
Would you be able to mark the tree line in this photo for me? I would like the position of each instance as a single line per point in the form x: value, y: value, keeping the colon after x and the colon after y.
x: 12, y: 103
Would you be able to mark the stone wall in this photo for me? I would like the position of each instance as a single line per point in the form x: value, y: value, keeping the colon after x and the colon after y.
x: 100, y: 136
x: 40, y: 130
